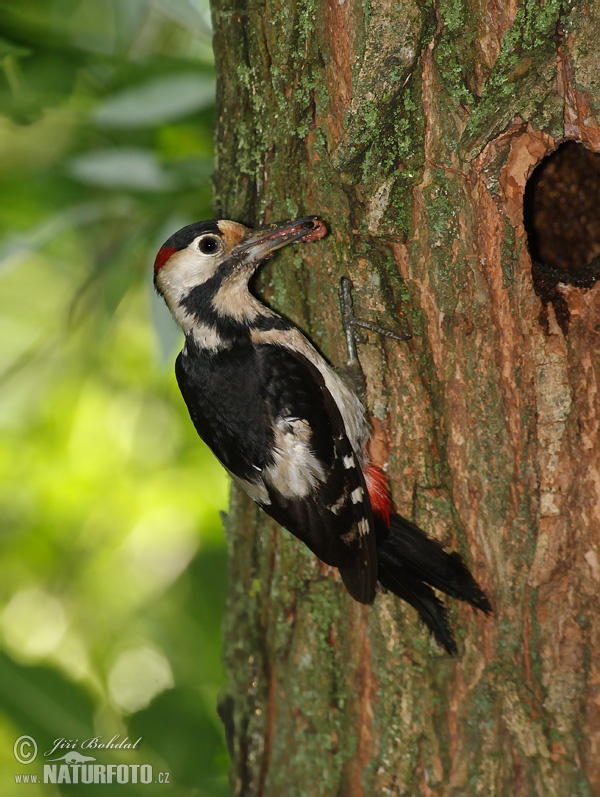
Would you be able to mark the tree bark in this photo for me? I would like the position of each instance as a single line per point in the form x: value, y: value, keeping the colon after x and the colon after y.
x: 412, y: 129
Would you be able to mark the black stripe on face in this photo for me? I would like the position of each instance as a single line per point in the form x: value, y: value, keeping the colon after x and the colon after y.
x: 200, y: 303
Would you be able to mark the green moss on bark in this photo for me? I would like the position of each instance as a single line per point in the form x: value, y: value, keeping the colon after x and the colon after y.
x: 364, y: 697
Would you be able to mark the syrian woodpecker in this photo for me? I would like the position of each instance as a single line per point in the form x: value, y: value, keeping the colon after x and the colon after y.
x: 289, y: 429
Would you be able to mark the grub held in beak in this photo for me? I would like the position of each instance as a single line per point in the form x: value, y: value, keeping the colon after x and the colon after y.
x: 260, y: 243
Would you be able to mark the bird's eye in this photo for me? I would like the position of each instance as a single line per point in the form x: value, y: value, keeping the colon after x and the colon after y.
x: 209, y: 245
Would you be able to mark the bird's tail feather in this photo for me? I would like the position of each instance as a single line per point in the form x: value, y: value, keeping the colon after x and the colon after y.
x: 410, y: 563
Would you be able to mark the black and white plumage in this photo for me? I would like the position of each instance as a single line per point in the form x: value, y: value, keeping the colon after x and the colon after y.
x: 288, y: 428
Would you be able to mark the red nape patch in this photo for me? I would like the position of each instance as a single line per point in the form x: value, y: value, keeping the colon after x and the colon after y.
x: 164, y: 253
x: 379, y: 494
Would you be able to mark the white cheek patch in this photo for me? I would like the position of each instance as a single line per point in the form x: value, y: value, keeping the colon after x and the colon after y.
x: 182, y: 272
x: 186, y: 269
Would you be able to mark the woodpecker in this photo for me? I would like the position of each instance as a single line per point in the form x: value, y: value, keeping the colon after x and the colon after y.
x: 291, y: 431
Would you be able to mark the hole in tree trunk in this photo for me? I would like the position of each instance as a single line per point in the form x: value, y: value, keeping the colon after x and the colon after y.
x: 562, y: 220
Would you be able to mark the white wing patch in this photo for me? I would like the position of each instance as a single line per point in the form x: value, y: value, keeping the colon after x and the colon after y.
x: 357, y: 496
x: 296, y: 470
x: 340, y: 503
x: 362, y: 527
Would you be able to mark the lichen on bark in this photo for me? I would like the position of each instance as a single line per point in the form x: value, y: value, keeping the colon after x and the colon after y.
x: 412, y: 129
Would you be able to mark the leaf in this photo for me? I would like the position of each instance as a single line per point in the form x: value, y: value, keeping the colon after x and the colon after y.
x: 185, y: 13
x: 157, y: 101
x: 124, y: 167
x: 12, y: 48
x: 44, y: 702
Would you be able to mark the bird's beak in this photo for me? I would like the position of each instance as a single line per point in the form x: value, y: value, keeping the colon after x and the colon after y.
x: 258, y: 244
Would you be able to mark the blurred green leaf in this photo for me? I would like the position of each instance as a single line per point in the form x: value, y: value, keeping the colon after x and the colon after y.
x: 42, y: 699
x: 157, y: 101
x: 179, y: 725
x: 136, y: 169
x: 10, y: 48
x: 113, y: 560
x: 187, y: 13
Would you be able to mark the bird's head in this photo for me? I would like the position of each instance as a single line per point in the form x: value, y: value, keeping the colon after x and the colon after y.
x: 203, y: 270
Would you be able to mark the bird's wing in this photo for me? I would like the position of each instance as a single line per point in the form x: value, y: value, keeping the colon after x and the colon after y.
x: 268, y: 416
x: 315, y: 484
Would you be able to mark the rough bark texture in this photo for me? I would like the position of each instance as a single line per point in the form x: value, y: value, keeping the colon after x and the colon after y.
x: 411, y: 128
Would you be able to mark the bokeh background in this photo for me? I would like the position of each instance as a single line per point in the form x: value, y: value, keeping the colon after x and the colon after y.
x: 113, y: 562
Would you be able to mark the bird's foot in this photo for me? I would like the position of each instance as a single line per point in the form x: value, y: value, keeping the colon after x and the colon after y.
x: 351, y: 322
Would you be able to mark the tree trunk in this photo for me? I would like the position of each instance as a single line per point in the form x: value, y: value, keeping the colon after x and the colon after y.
x: 412, y: 129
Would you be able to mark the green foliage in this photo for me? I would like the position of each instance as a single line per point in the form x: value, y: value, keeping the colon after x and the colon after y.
x: 112, y: 575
